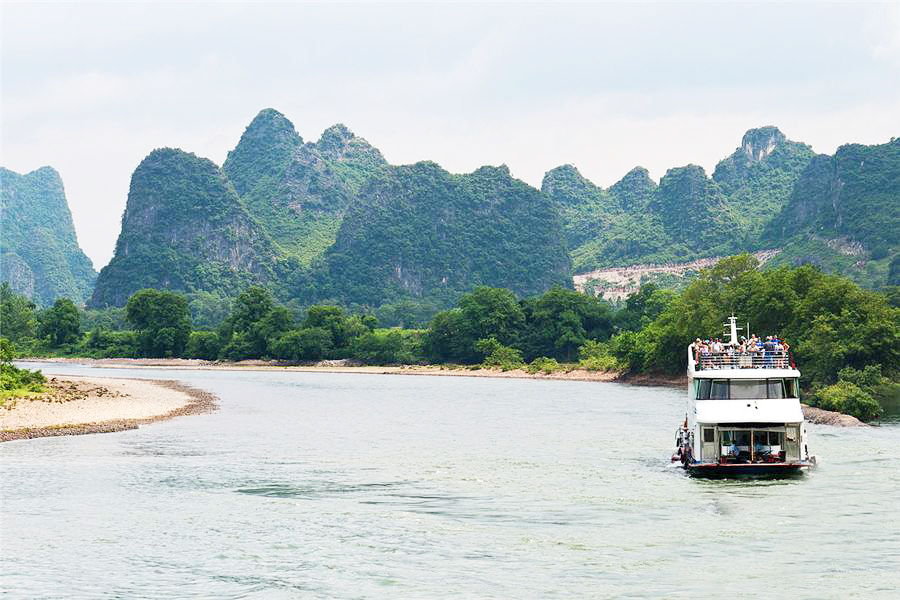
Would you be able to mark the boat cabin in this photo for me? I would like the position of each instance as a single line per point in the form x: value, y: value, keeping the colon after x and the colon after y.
x: 749, y: 443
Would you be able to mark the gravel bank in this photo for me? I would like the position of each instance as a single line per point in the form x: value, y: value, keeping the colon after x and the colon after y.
x: 79, y: 405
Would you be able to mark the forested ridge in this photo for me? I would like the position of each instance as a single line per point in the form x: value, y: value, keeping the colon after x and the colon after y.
x: 299, y: 192
x: 331, y: 221
x: 184, y: 228
x: 420, y: 231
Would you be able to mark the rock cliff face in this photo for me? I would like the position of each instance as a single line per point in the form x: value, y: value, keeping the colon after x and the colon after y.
x: 855, y: 193
x: 299, y: 192
x: 184, y: 229
x: 759, y: 177
x: 418, y: 230
x: 39, y: 253
x: 844, y: 214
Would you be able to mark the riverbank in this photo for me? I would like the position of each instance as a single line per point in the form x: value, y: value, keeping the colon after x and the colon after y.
x: 79, y: 405
x: 195, y: 401
x: 344, y: 366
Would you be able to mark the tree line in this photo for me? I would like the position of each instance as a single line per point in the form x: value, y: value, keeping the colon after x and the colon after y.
x: 845, y: 339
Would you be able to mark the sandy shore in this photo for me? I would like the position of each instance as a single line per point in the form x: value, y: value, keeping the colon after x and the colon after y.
x: 337, y: 367
x: 93, y: 405
x: 78, y: 405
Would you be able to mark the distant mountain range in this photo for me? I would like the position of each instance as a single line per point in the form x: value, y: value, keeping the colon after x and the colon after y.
x: 332, y: 221
x: 838, y: 212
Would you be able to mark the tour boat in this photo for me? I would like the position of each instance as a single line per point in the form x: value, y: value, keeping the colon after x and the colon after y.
x: 743, y: 413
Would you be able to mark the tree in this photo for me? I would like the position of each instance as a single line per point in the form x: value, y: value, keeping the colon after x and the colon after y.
x: 204, y: 345
x: 492, y: 312
x: 445, y: 340
x: 13, y: 378
x: 17, y: 317
x: 311, y: 343
x: 342, y: 328
x: 163, y: 322
x: 484, y: 313
x: 385, y: 348
x: 254, y: 324
x: 61, y: 323
x: 642, y: 307
x: 561, y: 320
x: 251, y: 306
x: 7, y: 350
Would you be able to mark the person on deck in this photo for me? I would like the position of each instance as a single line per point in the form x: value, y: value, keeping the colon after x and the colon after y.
x: 759, y: 449
x: 769, y: 349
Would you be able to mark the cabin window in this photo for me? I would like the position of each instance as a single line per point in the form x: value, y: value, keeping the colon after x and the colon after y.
x: 719, y: 389
x: 709, y: 434
x: 744, y: 389
x: 702, y: 388
x: 790, y: 388
x: 776, y: 388
x: 748, y: 389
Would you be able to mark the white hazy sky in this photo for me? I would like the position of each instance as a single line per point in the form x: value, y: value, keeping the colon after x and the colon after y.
x: 91, y: 88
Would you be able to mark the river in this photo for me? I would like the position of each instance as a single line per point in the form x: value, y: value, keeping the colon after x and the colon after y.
x: 312, y: 485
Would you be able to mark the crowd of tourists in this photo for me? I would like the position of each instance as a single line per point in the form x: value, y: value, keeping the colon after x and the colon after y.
x: 771, y: 352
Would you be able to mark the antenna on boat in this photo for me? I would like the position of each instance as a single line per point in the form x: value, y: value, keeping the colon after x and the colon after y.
x: 732, y: 330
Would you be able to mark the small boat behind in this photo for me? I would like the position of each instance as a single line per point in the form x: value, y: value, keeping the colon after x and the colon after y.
x: 743, y: 410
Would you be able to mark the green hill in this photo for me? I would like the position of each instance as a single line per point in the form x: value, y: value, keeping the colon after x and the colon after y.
x: 758, y: 177
x: 420, y: 231
x: 844, y: 214
x: 685, y: 217
x: 689, y: 215
x: 39, y: 253
x: 184, y: 229
x: 299, y: 192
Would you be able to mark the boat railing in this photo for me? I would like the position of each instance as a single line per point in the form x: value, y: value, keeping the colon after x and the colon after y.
x: 745, y: 360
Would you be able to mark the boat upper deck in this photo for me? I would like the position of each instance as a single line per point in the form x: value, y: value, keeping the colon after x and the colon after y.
x: 742, y: 357
x: 715, y: 361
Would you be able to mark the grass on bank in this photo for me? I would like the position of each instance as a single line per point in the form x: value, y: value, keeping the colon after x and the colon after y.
x: 16, y: 382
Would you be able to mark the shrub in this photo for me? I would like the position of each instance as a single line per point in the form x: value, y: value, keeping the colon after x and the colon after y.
x: 596, y: 357
x: 544, y: 365
x: 498, y: 355
x: 847, y: 398
x: 13, y: 378
x: 102, y: 343
x: 385, y: 348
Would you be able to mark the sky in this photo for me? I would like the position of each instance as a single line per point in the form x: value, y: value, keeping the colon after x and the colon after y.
x: 92, y: 88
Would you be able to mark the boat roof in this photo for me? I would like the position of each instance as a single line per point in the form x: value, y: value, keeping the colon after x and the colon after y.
x: 734, y: 373
x: 781, y: 410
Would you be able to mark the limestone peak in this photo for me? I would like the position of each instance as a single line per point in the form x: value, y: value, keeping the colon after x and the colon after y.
x: 759, y: 143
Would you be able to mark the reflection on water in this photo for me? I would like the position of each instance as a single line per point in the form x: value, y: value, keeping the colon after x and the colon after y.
x: 891, y: 407
x: 285, y: 490
x: 325, y: 486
